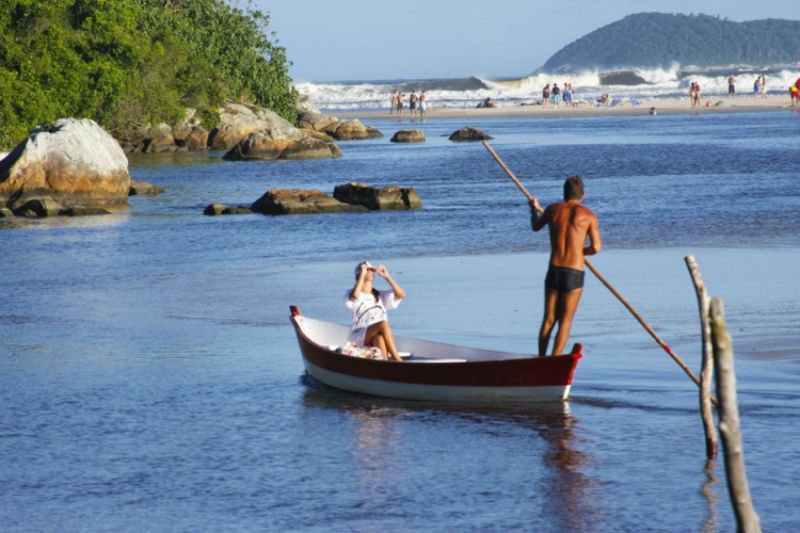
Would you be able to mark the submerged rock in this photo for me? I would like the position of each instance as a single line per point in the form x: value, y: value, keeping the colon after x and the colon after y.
x: 374, y: 198
x: 299, y: 201
x: 142, y: 188
x: 222, y: 209
x: 72, y: 163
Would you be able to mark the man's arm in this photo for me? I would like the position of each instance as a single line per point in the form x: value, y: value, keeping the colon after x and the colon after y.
x: 538, y: 215
x: 595, y: 242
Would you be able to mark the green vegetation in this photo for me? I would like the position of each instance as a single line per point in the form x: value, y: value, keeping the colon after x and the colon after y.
x: 660, y: 39
x: 131, y: 63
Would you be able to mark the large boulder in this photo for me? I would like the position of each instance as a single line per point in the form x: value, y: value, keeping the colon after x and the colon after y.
x: 237, y: 121
x: 281, y: 143
x: 197, y: 139
x: 72, y: 163
x: 298, y: 201
x: 159, y: 139
x: 409, y: 136
x: 469, y: 134
x: 314, y: 120
x: 374, y: 198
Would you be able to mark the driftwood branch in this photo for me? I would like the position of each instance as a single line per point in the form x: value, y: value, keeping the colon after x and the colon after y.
x: 738, y: 489
x: 707, y: 370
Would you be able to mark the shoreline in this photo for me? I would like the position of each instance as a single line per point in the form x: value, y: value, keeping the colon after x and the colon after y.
x: 717, y: 104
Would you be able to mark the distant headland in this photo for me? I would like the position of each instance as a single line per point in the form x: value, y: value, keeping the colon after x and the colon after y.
x: 653, y: 40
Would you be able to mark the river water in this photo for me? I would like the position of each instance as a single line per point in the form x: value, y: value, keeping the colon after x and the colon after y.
x: 150, y: 381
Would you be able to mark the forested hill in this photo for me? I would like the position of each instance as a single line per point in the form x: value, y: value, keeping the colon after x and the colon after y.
x: 131, y: 63
x: 660, y: 39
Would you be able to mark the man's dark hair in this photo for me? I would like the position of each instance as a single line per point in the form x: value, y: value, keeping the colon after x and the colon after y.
x: 573, y: 188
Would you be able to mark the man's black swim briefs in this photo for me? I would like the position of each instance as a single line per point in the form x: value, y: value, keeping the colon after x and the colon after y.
x: 564, y: 279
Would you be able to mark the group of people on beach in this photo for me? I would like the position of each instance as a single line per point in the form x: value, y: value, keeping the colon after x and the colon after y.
x: 570, y: 225
x: 555, y: 95
x: 417, y: 104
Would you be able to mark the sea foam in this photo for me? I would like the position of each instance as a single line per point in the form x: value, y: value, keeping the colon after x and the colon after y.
x: 589, y: 85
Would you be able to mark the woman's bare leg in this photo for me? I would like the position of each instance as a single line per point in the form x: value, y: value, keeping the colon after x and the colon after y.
x: 383, y: 330
x: 380, y: 343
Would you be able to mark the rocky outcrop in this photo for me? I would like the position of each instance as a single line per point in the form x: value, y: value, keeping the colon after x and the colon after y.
x: 142, y: 188
x: 346, y: 130
x: 377, y: 198
x: 238, y: 121
x: 469, y: 134
x: 408, y: 136
x: 160, y: 139
x: 285, y: 144
x: 297, y: 201
x: 70, y: 164
x: 197, y: 139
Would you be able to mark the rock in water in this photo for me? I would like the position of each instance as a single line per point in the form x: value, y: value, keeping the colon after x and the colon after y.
x: 74, y: 163
x: 469, y: 134
x: 275, y: 144
x: 298, y: 201
x: 409, y: 136
x: 374, y: 198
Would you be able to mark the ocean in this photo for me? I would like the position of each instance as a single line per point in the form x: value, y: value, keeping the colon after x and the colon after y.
x: 150, y: 379
x: 624, y: 84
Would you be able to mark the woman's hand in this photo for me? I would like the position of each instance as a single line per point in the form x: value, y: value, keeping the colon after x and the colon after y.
x: 382, y: 272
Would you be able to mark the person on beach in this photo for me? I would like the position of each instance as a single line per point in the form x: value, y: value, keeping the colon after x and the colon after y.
x: 763, y: 86
x: 731, y: 86
x: 556, y: 95
x: 569, y: 223
x: 369, y: 306
x: 757, y: 87
x: 794, y: 93
x: 422, y: 103
x: 412, y: 103
x: 546, y: 95
x: 568, y: 94
x: 694, y: 94
x: 400, y: 103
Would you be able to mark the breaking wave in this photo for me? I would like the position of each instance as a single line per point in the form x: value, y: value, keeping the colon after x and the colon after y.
x: 645, y: 84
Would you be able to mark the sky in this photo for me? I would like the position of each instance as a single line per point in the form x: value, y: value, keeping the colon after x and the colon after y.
x: 348, y: 40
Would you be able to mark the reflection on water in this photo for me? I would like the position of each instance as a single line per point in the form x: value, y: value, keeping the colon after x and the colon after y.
x: 560, y: 488
x: 88, y: 221
x: 709, y: 524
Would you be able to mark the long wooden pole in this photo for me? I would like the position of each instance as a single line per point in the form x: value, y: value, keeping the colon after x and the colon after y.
x: 603, y: 280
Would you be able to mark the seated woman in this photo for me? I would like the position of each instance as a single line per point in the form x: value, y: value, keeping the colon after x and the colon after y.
x: 369, y: 306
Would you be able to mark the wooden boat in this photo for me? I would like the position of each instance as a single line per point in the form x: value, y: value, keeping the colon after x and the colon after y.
x: 432, y: 370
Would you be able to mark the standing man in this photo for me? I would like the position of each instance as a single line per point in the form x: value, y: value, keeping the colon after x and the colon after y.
x: 731, y: 86
x: 569, y: 223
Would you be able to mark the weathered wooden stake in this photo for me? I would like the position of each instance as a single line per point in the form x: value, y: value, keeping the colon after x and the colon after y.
x: 738, y: 489
x: 707, y: 371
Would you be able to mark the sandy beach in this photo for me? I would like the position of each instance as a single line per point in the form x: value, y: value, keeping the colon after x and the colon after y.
x: 710, y: 104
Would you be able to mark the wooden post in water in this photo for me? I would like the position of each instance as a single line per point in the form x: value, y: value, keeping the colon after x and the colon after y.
x: 707, y: 370
x: 738, y: 489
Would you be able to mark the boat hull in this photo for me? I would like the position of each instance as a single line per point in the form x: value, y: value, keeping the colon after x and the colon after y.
x: 437, y: 371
